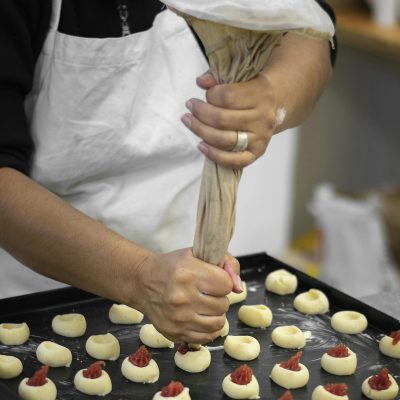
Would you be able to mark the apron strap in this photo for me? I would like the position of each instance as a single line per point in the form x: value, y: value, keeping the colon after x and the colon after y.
x: 55, y: 15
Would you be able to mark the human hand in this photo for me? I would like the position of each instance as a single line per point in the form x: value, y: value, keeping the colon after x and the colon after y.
x: 184, y: 297
x: 232, y: 267
x: 248, y: 106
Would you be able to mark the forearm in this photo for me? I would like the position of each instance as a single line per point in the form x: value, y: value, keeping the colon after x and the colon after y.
x: 298, y: 70
x: 51, y: 237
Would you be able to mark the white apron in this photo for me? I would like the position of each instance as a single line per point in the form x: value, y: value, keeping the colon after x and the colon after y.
x: 105, y: 119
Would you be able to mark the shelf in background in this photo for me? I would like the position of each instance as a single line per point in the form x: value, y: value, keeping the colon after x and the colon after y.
x: 356, y: 28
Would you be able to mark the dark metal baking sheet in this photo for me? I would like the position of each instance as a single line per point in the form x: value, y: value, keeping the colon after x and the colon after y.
x: 38, y: 310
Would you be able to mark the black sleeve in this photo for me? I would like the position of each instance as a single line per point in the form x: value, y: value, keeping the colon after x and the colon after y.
x: 331, y: 13
x: 23, y: 27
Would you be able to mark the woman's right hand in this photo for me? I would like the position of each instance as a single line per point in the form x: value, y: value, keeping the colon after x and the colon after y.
x: 184, y: 297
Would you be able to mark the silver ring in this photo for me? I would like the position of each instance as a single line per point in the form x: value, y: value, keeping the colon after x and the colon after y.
x: 242, y: 141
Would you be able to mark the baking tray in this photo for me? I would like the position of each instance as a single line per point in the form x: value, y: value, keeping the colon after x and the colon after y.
x: 39, y: 309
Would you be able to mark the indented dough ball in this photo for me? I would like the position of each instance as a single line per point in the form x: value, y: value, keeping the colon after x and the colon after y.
x: 150, y: 336
x: 386, y: 394
x: 225, y: 329
x: 390, y: 345
x: 351, y: 322
x: 312, y: 302
x: 290, y: 379
x: 243, y: 348
x: 14, y: 334
x: 174, y: 390
x: 69, y: 325
x: 237, y: 390
x: 38, y: 387
x: 288, y: 337
x: 339, y: 365
x: 192, y: 360
x: 103, y: 347
x: 10, y: 367
x: 124, y: 315
x: 256, y: 316
x: 147, y: 374
x: 320, y: 393
x: 281, y: 282
x: 53, y: 354
x: 234, y: 298
x: 97, y: 385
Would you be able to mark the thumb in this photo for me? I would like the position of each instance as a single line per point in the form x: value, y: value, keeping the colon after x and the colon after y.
x: 206, y: 81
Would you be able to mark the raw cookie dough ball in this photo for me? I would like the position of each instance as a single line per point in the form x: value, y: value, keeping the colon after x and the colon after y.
x: 94, y: 380
x: 312, y: 302
x: 14, y: 334
x: 331, y: 391
x: 150, y: 336
x: 103, y: 347
x: 256, y: 316
x: 243, y: 348
x: 339, y: 360
x: 10, y: 367
x: 140, y: 367
x: 290, y: 374
x: 390, y: 345
x: 38, y: 386
x: 192, y: 360
x: 241, y: 384
x: 281, y: 282
x: 234, y: 298
x: 53, y: 354
x: 69, y: 325
x: 174, y: 390
x: 124, y: 315
x: 225, y: 329
x: 349, y: 322
x: 288, y: 337
x: 384, y: 381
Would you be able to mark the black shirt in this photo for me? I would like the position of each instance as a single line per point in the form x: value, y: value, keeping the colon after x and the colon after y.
x: 23, y: 28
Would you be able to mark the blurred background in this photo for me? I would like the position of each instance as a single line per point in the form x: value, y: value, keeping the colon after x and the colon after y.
x: 328, y: 201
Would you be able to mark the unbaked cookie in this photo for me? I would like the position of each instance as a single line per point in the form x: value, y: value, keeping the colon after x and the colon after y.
x: 14, y: 334
x: 312, y: 302
x: 225, y: 330
x: 339, y: 360
x: 291, y: 374
x: 10, y: 367
x: 174, y: 390
x: 241, y: 384
x: 243, y: 348
x: 38, y: 386
x: 193, y: 360
x: 93, y: 380
x: 53, y: 354
x: 331, y: 391
x: 351, y: 322
x: 103, y: 347
x: 256, y: 316
x: 140, y: 367
x: 281, y: 282
x: 234, y: 298
x: 288, y: 337
x: 380, y: 387
x: 124, y: 315
x: 390, y: 345
x: 69, y: 325
x: 150, y: 336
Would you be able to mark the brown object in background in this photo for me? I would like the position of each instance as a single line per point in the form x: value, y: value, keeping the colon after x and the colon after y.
x: 346, y: 4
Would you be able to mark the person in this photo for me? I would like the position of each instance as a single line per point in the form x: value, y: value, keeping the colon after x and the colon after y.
x: 99, y: 177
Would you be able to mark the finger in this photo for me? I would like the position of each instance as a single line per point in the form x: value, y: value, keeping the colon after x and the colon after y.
x: 207, y: 324
x: 228, y: 159
x: 237, y: 282
x: 211, y: 306
x: 206, y: 81
x: 196, y: 337
x: 233, y: 261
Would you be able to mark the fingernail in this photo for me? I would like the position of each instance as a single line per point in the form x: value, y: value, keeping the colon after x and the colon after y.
x: 189, y: 105
x: 203, y: 148
x: 239, y: 282
x: 205, y: 77
x: 187, y: 120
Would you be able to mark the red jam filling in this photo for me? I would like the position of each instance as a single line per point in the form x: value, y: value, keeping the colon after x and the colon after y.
x: 293, y: 363
x: 173, y: 389
x: 141, y: 357
x: 339, y: 351
x: 184, y: 348
x: 39, y: 377
x: 242, y: 375
x: 338, y: 389
x: 94, y: 370
x: 395, y: 335
x: 380, y: 381
x: 286, y: 396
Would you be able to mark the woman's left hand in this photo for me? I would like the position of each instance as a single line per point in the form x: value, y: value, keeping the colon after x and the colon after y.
x: 247, y: 107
